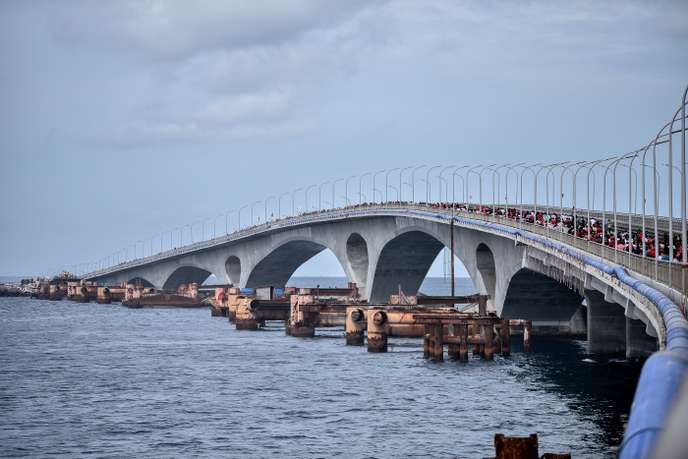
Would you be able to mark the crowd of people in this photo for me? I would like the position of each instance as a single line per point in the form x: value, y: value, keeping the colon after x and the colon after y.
x: 622, y: 240
x: 654, y: 247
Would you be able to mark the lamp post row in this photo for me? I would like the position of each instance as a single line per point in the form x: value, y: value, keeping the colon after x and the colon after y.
x: 609, y: 165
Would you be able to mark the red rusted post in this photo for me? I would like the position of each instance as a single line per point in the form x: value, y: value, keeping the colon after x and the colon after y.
x: 489, y: 342
x: 505, y: 337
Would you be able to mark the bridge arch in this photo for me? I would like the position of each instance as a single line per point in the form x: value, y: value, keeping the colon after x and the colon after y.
x: 140, y: 281
x: 485, y: 265
x: 233, y: 269
x: 277, y: 267
x: 185, y: 275
x: 357, y: 257
x: 550, y: 304
x: 404, y: 261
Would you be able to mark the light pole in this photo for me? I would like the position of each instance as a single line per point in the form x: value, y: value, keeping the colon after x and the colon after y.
x: 564, y: 170
x: 469, y: 171
x: 480, y: 183
x: 346, y: 188
x: 413, y: 181
x: 239, y: 214
x: 441, y: 179
x: 360, y: 186
x: 320, y: 194
x: 293, y: 201
x: 265, y: 210
x: 279, y: 203
x: 334, y: 187
x: 428, y: 188
x: 401, y: 173
x: 463, y: 184
x: 529, y: 168
x: 684, y: 249
x: 387, y: 183
x: 253, y: 204
x: 375, y: 189
x: 305, y: 195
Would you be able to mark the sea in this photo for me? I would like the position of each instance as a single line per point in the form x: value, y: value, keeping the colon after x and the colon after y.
x: 92, y: 380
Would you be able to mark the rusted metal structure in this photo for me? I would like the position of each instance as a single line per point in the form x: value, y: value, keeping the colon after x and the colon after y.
x: 522, y: 448
x: 484, y: 334
x: 319, y: 307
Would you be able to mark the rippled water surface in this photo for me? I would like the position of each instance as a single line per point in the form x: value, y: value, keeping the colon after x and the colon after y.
x: 104, y: 380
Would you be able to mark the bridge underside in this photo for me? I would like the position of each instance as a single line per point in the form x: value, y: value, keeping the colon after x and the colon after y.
x: 383, y: 254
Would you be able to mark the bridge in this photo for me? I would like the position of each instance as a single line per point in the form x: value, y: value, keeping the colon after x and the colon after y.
x: 533, y: 240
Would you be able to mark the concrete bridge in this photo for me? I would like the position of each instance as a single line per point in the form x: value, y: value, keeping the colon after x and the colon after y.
x: 384, y: 247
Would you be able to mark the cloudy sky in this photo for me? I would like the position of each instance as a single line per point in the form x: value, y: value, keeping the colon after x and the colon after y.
x: 122, y: 120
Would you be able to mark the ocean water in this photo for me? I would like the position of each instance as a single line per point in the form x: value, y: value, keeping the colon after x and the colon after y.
x: 107, y: 381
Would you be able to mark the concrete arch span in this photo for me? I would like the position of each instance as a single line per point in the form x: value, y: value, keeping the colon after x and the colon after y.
x: 552, y: 306
x: 185, y: 275
x: 277, y: 267
x: 403, y: 263
x: 140, y: 281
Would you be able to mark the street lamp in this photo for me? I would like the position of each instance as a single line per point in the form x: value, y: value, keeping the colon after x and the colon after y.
x: 334, y: 186
x: 401, y: 173
x: 387, y: 183
x: 413, y: 181
x: 320, y: 194
x: 305, y: 194
x: 463, y: 184
x: 480, y: 183
x: 375, y: 189
x: 360, y: 186
x: 265, y: 209
x: 293, y: 205
x: 279, y: 203
x: 529, y: 168
x: 346, y: 188
x: 446, y: 196
x: 428, y: 188
x: 253, y: 204
x: 239, y: 214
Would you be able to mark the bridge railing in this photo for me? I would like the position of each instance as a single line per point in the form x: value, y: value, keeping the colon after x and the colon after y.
x: 673, y: 275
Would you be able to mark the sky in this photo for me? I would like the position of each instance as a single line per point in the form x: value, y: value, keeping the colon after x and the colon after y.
x: 122, y: 120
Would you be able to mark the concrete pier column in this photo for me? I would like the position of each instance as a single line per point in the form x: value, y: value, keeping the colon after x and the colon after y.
x: 606, y: 325
x: 505, y: 335
x: 638, y: 343
x: 355, y: 326
x: 377, y: 330
x: 578, y: 322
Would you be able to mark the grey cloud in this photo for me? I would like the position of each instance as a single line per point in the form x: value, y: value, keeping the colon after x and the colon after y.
x: 177, y: 29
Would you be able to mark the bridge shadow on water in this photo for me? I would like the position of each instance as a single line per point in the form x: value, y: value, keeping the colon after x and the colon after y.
x: 598, y: 388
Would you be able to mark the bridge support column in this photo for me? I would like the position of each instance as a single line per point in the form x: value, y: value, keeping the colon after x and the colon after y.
x: 638, y: 343
x: 606, y: 325
x: 377, y: 330
x: 355, y: 326
x: 578, y: 322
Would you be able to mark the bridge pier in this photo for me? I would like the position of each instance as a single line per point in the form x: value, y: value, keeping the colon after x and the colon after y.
x: 606, y: 325
x: 638, y: 343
